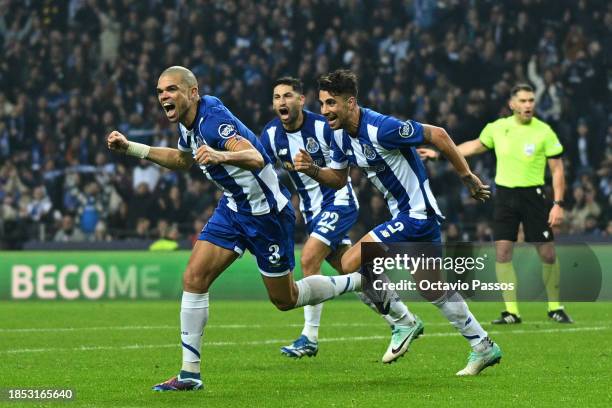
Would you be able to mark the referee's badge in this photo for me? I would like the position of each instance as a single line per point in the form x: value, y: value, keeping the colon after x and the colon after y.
x: 312, y: 146
x: 529, y: 149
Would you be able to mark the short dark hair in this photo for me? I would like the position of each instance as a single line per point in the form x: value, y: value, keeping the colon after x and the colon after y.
x: 294, y: 83
x: 520, y: 87
x: 339, y: 82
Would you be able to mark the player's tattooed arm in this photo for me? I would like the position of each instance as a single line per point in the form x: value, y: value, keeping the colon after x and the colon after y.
x: 239, y: 152
x: 332, y: 178
x: 438, y: 137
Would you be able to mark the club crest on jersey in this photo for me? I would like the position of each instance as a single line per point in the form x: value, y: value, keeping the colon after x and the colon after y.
x: 407, y: 130
x: 226, y: 130
x: 529, y: 149
x: 312, y: 146
x: 369, y: 152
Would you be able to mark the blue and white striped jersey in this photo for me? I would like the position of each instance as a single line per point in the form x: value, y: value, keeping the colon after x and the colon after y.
x: 314, y: 136
x: 245, y: 191
x: 385, y: 149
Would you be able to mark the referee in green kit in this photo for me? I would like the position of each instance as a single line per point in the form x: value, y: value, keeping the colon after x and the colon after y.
x: 523, y: 146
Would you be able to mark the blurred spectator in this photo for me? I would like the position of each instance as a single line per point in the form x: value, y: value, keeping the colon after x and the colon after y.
x: 68, y: 231
x: 584, y: 207
x: 101, y: 233
x: 71, y: 73
x: 167, y: 241
x: 146, y: 173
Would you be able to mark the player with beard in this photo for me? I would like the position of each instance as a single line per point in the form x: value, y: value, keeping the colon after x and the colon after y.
x: 384, y: 147
x: 328, y: 213
x: 254, y: 213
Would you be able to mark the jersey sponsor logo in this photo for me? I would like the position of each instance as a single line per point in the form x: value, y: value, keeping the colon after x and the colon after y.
x: 226, y: 130
x: 529, y: 149
x: 407, y: 130
x: 368, y: 152
x: 312, y: 146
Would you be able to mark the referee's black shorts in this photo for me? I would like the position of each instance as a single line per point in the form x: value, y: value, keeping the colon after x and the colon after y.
x: 527, y: 205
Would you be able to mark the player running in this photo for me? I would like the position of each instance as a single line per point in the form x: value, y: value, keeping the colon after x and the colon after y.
x: 383, y: 147
x: 328, y: 213
x: 253, y: 214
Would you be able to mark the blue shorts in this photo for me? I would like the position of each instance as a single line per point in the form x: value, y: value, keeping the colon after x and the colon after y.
x: 269, y: 237
x: 331, y: 225
x: 404, y: 228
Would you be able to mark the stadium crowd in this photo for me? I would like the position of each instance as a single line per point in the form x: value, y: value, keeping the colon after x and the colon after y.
x: 72, y: 71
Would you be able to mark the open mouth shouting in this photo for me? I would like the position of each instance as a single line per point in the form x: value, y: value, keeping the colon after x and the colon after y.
x: 170, y: 109
x: 283, y: 113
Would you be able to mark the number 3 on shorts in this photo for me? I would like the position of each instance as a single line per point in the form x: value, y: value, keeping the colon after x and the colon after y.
x: 275, y: 257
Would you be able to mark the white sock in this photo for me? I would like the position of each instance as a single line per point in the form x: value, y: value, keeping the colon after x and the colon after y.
x: 455, y: 309
x: 194, y: 315
x: 312, y: 319
x: 366, y: 301
x: 316, y: 289
x: 400, y: 314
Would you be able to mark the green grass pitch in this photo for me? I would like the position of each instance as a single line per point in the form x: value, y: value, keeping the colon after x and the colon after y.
x: 111, y: 353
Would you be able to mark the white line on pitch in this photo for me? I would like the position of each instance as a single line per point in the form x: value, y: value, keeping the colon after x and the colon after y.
x: 222, y: 326
x: 282, y: 341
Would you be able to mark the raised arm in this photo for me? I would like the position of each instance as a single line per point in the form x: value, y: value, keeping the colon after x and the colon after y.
x: 332, y: 178
x: 172, y: 159
x: 438, y: 137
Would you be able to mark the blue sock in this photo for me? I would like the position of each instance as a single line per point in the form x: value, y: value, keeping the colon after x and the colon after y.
x: 187, y: 374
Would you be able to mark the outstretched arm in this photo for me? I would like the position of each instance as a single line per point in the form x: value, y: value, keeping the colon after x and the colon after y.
x: 469, y: 148
x: 438, y: 137
x: 172, y: 159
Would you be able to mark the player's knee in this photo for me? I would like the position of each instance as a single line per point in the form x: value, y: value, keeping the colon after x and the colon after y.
x: 195, y: 281
x: 348, y: 264
x: 310, y: 264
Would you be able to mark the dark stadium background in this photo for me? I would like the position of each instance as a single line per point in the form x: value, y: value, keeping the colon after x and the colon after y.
x: 72, y: 71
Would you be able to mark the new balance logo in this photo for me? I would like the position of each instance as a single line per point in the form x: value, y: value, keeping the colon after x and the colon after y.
x: 282, y: 151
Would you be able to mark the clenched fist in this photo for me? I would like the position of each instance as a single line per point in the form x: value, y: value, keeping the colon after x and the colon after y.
x: 117, y: 142
x: 303, y: 163
x: 206, y: 155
